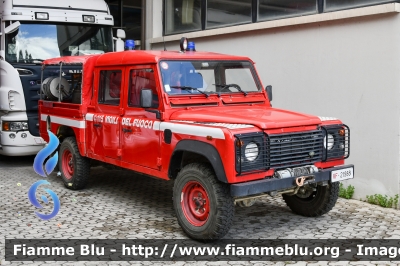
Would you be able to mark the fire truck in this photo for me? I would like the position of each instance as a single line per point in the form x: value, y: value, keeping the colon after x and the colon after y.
x: 201, y: 119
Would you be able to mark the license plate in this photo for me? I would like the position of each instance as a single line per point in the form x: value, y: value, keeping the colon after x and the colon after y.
x: 342, y: 174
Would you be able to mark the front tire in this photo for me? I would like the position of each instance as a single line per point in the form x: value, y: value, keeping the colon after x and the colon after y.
x: 318, y: 203
x: 203, y: 205
x: 74, y: 168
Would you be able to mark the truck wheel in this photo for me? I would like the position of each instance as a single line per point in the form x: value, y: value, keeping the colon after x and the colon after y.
x: 316, y: 203
x: 74, y: 168
x: 203, y: 205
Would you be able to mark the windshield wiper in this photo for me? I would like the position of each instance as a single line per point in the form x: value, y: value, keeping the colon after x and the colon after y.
x: 227, y: 86
x: 187, y: 88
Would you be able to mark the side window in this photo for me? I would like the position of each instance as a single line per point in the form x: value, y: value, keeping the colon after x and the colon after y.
x: 140, y: 79
x: 110, y: 87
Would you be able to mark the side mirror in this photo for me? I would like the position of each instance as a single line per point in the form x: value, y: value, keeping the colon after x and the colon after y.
x: 119, y: 43
x: 146, y: 98
x: 269, y: 92
x: 11, y: 28
x: 121, y: 34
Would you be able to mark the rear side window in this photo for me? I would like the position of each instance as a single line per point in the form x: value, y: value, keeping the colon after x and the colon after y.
x: 110, y: 87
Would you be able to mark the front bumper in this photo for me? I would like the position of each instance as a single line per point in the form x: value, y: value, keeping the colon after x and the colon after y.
x: 274, y: 184
x: 20, y: 150
x: 19, y: 146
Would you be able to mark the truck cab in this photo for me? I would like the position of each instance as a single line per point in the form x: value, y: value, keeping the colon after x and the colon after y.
x: 31, y: 32
x: 201, y: 119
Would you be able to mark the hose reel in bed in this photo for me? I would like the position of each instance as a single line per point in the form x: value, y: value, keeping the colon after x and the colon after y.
x: 51, y: 88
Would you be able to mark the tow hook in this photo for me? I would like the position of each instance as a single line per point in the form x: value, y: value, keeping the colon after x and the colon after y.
x: 304, y: 180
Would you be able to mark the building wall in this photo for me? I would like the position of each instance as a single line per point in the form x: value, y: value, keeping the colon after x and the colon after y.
x: 345, y: 68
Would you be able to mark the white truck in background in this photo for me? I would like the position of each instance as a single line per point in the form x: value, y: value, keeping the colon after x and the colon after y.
x: 30, y: 32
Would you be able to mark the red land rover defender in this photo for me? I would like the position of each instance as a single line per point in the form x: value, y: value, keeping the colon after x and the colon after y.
x: 201, y: 119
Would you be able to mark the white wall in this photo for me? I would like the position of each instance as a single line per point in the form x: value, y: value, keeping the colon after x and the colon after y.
x: 347, y: 69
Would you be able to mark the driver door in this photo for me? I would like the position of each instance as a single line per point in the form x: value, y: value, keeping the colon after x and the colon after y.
x: 140, y: 140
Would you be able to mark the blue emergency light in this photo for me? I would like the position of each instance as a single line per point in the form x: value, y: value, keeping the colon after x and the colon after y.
x: 191, y: 47
x: 129, y: 45
x: 185, y: 45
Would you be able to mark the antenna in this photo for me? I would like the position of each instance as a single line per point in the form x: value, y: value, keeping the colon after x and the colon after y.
x: 163, y: 29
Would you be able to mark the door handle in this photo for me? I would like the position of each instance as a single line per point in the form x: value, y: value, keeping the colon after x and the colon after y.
x: 97, y: 125
x: 126, y: 130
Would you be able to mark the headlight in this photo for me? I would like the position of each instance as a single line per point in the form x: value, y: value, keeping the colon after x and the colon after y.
x: 331, y: 141
x: 251, y: 151
x: 14, y: 126
x: 336, y: 142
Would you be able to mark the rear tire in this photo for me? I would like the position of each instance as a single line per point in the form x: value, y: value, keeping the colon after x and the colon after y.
x: 318, y: 203
x: 74, y: 168
x: 203, y: 205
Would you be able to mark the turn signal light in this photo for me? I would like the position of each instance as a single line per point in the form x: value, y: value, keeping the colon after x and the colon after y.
x: 239, y: 143
x: 342, y: 132
x: 6, y: 126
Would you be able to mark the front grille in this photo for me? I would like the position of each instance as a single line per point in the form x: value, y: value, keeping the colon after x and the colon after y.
x: 290, y: 150
x: 295, y: 149
x: 278, y: 151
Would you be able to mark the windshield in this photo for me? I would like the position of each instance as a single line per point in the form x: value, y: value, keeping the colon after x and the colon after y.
x: 34, y: 42
x: 199, y: 77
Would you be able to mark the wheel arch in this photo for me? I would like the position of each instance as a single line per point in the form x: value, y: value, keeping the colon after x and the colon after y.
x: 64, y: 132
x: 201, y: 151
x: 74, y: 168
